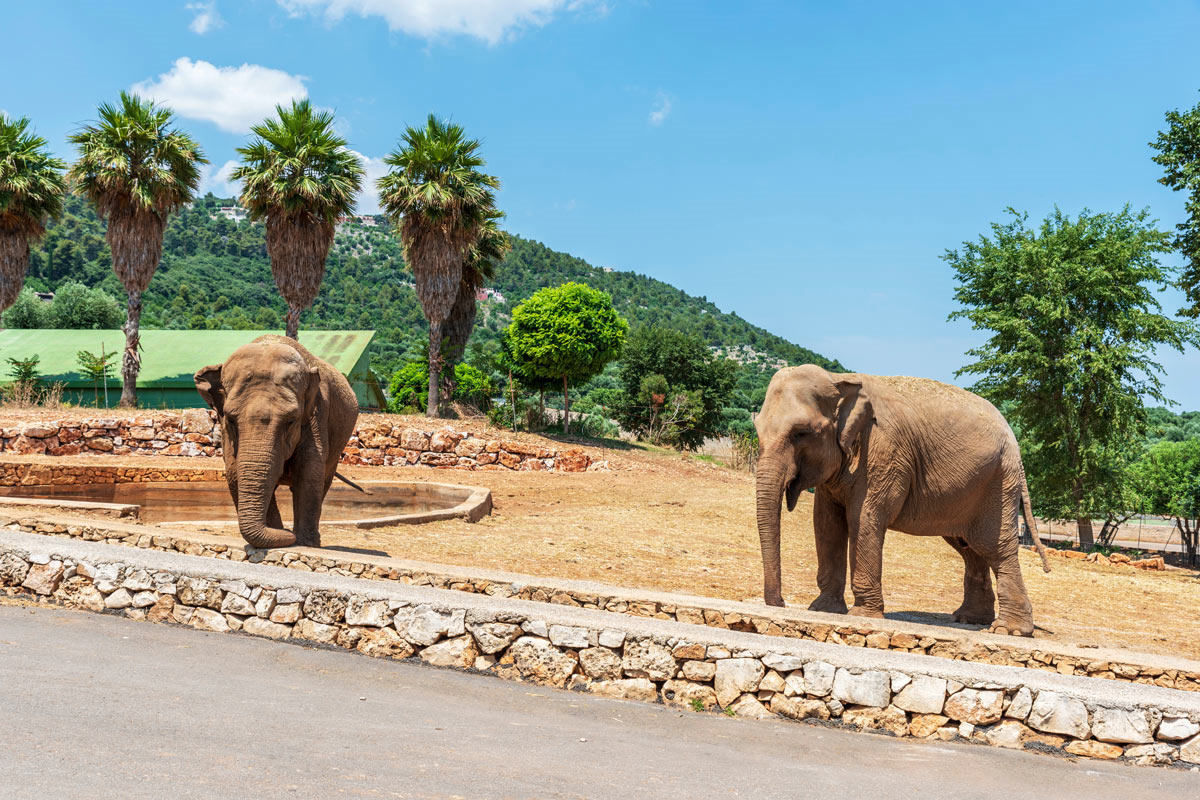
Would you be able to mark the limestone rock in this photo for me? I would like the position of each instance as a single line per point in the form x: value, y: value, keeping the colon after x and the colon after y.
x: 236, y: 604
x: 611, y: 637
x: 325, y: 607
x: 600, y: 663
x: 922, y: 695
x: 206, y: 619
x: 798, y: 708
x: 781, y: 663
x: 163, y: 609
x: 285, y: 613
x: 870, y: 688
x: 1150, y: 754
x: 645, y: 659
x: 289, y: 594
x: 535, y: 658
x: 535, y: 627
x: 793, y: 685
x: 1122, y: 727
x: 626, y: 689
x: 369, y: 613
x: 78, y: 592
x: 1021, y: 703
x: 1009, y: 733
x: 183, y: 613
x: 771, y: 682
x: 818, y: 678
x: 890, y: 719
x: 458, y: 652
x: 138, y: 580
x: 976, y: 706
x: 119, y: 599
x: 383, y: 643
x: 1176, y: 728
x: 1056, y: 713
x: 261, y: 627
x: 492, y: 637
x: 43, y: 579
x: 748, y: 706
x: 685, y: 694
x: 423, y: 625
x: 925, y: 725
x: 144, y: 599
x: 567, y: 636
x: 315, y: 631
x: 736, y: 676
x: 265, y: 604
x: 1189, y: 751
x: 13, y: 569
x: 1093, y: 749
x: 198, y: 592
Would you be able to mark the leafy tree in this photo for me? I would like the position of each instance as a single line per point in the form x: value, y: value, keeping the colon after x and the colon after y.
x: 1179, y: 155
x: 685, y: 368
x: 569, y: 332
x: 298, y: 176
x: 77, y: 307
x: 31, y: 191
x: 1074, y: 324
x: 410, y: 384
x: 27, y: 312
x: 440, y: 201
x: 135, y: 169
x: 1168, y: 476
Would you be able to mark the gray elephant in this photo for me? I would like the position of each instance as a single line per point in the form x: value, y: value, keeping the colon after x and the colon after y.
x: 285, y: 418
x: 908, y: 454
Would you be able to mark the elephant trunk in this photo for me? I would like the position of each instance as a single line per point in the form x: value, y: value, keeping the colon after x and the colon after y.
x: 769, y: 497
x: 257, y: 477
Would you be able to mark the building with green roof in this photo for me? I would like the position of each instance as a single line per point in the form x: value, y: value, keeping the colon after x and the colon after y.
x: 170, y: 358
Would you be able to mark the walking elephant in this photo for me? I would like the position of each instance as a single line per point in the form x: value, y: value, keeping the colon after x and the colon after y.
x: 285, y: 418
x: 908, y: 454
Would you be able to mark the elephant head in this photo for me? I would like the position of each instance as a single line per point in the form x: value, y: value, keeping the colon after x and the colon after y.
x: 808, y: 430
x: 265, y: 395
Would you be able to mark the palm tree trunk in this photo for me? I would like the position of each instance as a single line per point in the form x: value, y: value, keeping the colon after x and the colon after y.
x: 435, y: 368
x: 131, y: 363
x: 293, y: 322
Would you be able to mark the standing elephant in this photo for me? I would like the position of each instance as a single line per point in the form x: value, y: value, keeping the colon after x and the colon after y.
x: 285, y: 418
x: 908, y: 454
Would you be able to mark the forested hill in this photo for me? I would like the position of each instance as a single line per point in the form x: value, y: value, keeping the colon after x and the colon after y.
x: 215, y: 274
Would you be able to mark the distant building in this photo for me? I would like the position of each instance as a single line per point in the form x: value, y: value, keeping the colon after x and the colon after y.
x: 45, y: 297
x: 488, y: 293
x: 235, y: 213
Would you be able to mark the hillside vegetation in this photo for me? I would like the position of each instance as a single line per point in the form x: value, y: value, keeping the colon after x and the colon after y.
x: 215, y: 274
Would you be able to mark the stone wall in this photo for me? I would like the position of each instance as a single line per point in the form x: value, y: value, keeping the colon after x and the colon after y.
x: 683, y: 666
x: 194, y: 432
x: 943, y: 642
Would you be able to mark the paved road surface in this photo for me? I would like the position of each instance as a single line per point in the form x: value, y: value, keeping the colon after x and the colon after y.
x: 97, y: 706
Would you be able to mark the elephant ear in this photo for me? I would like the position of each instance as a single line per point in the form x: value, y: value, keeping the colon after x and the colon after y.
x: 208, y: 384
x: 854, y: 412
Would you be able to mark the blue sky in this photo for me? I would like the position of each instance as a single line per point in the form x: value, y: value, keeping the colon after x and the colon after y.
x: 802, y: 164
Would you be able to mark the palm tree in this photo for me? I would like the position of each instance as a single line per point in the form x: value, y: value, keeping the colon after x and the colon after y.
x: 136, y: 169
x: 478, y: 268
x: 31, y: 192
x: 300, y: 177
x: 440, y: 201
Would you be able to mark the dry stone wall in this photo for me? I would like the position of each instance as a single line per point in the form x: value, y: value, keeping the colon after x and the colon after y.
x: 618, y: 656
x: 194, y: 432
x: 940, y: 642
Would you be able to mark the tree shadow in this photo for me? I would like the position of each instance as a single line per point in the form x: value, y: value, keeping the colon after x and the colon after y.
x: 358, y: 550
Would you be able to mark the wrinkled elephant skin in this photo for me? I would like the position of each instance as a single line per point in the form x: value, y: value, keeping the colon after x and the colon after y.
x: 899, y: 453
x: 285, y: 418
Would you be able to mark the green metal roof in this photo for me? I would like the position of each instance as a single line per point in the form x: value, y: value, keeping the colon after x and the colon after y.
x: 169, y: 358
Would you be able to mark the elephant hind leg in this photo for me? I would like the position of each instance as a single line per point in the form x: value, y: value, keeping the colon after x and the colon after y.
x: 994, y: 537
x: 979, y: 601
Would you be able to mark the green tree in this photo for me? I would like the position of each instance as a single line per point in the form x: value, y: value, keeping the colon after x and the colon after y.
x: 1168, y: 476
x: 298, y: 176
x: 97, y: 369
x: 136, y: 169
x: 437, y: 196
x: 569, y: 332
x: 1179, y: 155
x: 695, y: 385
x: 31, y: 192
x: 77, y: 307
x: 410, y: 384
x: 1074, y: 322
x: 29, y: 311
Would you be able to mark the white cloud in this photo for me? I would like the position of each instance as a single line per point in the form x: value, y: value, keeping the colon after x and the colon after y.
x: 662, y: 108
x: 207, y: 17
x: 232, y: 98
x: 217, y: 180
x: 490, y: 20
x: 368, y: 198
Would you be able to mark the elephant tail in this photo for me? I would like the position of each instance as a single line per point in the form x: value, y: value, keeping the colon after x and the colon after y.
x: 1027, y: 509
x: 351, y: 483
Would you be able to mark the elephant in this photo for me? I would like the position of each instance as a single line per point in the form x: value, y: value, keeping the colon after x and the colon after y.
x: 285, y: 418
x: 906, y: 454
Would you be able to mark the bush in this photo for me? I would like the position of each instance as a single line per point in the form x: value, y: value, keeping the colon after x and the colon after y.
x: 27, y: 312
x: 409, y: 387
x: 74, y: 307
x: 598, y: 427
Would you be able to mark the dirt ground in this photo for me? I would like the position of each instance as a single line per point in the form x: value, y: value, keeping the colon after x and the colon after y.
x: 677, y: 523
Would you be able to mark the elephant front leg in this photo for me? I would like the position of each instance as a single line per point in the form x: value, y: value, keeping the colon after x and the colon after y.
x: 308, y: 495
x: 866, y: 568
x: 979, y: 601
x: 832, y: 537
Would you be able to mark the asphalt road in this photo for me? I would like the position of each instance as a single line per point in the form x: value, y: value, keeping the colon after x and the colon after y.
x: 100, y: 706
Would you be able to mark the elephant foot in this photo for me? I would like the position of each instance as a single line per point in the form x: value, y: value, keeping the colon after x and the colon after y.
x: 1012, y: 627
x: 829, y: 603
x: 862, y: 611
x: 973, y: 615
x: 775, y: 600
